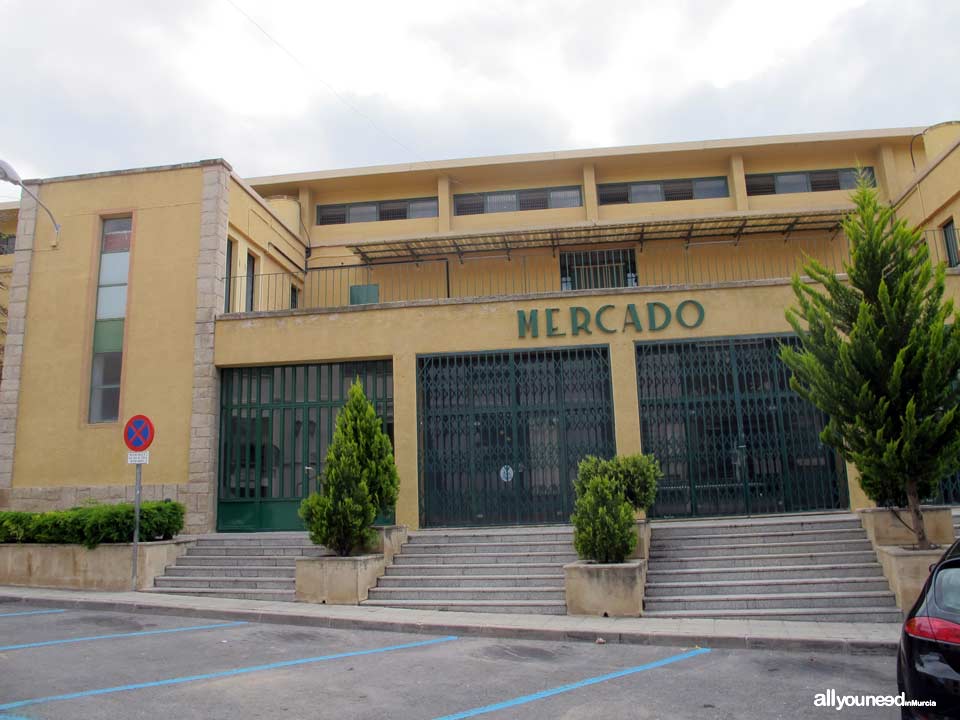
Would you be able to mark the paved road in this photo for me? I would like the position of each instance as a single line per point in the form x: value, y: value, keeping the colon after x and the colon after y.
x: 81, y: 665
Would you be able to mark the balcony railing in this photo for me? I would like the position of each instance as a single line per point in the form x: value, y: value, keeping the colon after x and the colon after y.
x: 656, y: 264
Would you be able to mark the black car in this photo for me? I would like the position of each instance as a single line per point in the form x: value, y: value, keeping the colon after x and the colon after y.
x: 928, y: 663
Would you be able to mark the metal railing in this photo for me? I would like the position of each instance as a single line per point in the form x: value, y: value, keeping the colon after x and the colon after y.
x: 662, y: 264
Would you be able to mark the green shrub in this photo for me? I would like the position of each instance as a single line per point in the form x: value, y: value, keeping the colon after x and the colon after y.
x: 91, y: 525
x: 637, y: 475
x: 603, y: 522
x: 340, y: 515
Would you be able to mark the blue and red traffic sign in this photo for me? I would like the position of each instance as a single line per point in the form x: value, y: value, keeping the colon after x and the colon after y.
x: 138, y: 433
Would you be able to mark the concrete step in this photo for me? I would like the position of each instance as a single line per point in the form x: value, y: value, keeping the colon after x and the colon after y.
x: 484, y: 558
x: 798, y: 572
x: 251, y: 550
x: 763, y: 560
x: 765, y: 587
x: 679, y: 541
x: 859, y: 615
x: 471, y: 581
x: 230, y: 583
x: 490, y: 606
x: 239, y: 560
x: 466, y: 570
x: 741, y: 526
x: 564, y: 546
x: 268, y: 541
x: 444, y: 594
x: 271, y: 595
x: 267, y: 571
x: 505, y: 536
x: 657, y: 552
x: 837, y: 600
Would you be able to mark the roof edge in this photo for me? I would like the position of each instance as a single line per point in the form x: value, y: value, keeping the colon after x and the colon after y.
x: 131, y: 171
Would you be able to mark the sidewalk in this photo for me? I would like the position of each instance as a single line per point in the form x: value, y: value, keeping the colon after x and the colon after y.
x: 846, y: 638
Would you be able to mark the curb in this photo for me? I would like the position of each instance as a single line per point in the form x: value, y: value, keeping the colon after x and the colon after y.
x: 484, y: 627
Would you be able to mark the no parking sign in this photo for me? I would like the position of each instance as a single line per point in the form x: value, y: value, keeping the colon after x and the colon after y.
x: 138, y: 434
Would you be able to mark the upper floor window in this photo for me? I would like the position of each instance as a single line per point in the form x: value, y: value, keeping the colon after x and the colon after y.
x: 513, y: 200
x: 8, y: 243
x: 812, y: 181
x: 594, y: 269
x: 950, y: 240
x: 376, y: 211
x: 663, y: 190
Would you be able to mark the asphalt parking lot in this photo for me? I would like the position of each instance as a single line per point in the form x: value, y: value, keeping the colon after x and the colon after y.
x: 81, y: 664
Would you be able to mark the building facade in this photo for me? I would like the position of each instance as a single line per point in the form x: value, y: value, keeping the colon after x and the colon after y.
x: 506, y: 316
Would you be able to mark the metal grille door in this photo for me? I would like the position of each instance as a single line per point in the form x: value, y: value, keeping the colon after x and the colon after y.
x: 501, y: 433
x: 731, y: 436
x: 276, y: 424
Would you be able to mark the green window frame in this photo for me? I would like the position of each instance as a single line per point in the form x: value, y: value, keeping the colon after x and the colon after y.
x: 365, y: 294
x: 950, y: 241
x: 110, y: 320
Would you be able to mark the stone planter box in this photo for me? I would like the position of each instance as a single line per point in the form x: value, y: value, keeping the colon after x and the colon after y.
x: 337, y: 580
x: 906, y: 571
x: 74, y: 567
x: 883, y: 528
x: 614, y: 590
x: 389, y: 540
x: 642, y: 551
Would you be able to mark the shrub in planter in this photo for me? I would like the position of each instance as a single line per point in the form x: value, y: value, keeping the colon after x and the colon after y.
x: 360, y: 479
x: 637, y: 475
x: 602, y: 519
x: 92, y: 524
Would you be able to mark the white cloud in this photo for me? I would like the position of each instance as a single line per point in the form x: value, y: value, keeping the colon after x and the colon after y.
x: 126, y: 84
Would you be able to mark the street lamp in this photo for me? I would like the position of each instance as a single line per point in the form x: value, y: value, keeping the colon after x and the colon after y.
x: 8, y: 174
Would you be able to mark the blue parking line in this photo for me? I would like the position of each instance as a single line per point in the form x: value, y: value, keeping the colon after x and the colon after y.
x: 113, y: 636
x: 524, y: 699
x: 30, y: 612
x: 221, y: 674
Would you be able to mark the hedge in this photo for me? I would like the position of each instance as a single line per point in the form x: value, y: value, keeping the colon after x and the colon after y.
x: 92, y: 524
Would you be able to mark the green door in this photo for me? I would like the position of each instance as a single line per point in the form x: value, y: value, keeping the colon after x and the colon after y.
x: 730, y: 434
x: 276, y: 424
x: 501, y: 433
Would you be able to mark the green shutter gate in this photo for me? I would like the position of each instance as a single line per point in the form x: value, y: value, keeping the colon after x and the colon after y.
x: 276, y: 424
x: 731, y: 436
x: 501, y: 433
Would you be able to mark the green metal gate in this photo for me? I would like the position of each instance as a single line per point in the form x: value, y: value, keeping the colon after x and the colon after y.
x: 501, y: 433
x: 276, y: 424
x: 731, y: 436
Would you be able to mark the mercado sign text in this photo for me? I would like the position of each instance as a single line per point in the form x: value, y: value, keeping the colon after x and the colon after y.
x: 650, y: 317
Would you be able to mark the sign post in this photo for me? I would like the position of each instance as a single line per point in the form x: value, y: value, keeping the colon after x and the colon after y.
x: 138, y: 434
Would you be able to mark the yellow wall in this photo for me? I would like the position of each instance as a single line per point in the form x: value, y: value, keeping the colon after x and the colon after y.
x: 56, y: 446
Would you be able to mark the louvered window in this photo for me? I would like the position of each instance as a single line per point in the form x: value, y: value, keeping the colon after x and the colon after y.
x: 663, y: 190
x: 377, y: 211
x: 512, y: 200
x: 812, y: 181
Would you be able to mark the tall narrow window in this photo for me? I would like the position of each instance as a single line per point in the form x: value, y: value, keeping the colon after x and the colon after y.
x: 228, y: 278
x: 251, y: 278
x: 950, y: 240
x: 110, y: 318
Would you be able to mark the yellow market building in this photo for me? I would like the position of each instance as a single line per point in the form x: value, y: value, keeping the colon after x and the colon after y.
x: 506, y: 315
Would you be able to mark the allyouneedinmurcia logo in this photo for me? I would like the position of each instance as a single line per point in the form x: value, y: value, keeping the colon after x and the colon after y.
x: 831, y: 698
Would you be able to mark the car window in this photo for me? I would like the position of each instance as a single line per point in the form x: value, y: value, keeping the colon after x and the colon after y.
x: 947, y: 589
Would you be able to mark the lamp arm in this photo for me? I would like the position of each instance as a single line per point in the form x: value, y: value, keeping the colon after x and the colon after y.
x: 56, y: 225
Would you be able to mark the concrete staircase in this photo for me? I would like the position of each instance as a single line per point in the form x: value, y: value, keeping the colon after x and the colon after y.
x: 956, y: 522
x: 503, y: 570
x: 799, y: 567
x: 249, y: 566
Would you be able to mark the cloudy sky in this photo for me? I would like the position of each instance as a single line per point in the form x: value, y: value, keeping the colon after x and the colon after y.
x: 125, y: 83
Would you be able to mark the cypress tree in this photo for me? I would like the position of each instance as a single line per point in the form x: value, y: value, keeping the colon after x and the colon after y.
x: 880, y: 355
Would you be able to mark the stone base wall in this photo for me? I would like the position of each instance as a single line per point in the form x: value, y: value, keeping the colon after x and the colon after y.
x: 39, y: 499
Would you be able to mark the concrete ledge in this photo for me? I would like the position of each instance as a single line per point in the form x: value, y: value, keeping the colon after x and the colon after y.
x: 337, y: 580
x: 883, y: 528
x: 642, y: 550
x: 906, y: 571
x: 841, y: 638
x: 74, y: 567
x: 607, y: 590
x: 389, y: 540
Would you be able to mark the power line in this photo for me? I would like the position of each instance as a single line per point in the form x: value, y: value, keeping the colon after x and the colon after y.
x: 323, y: 82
